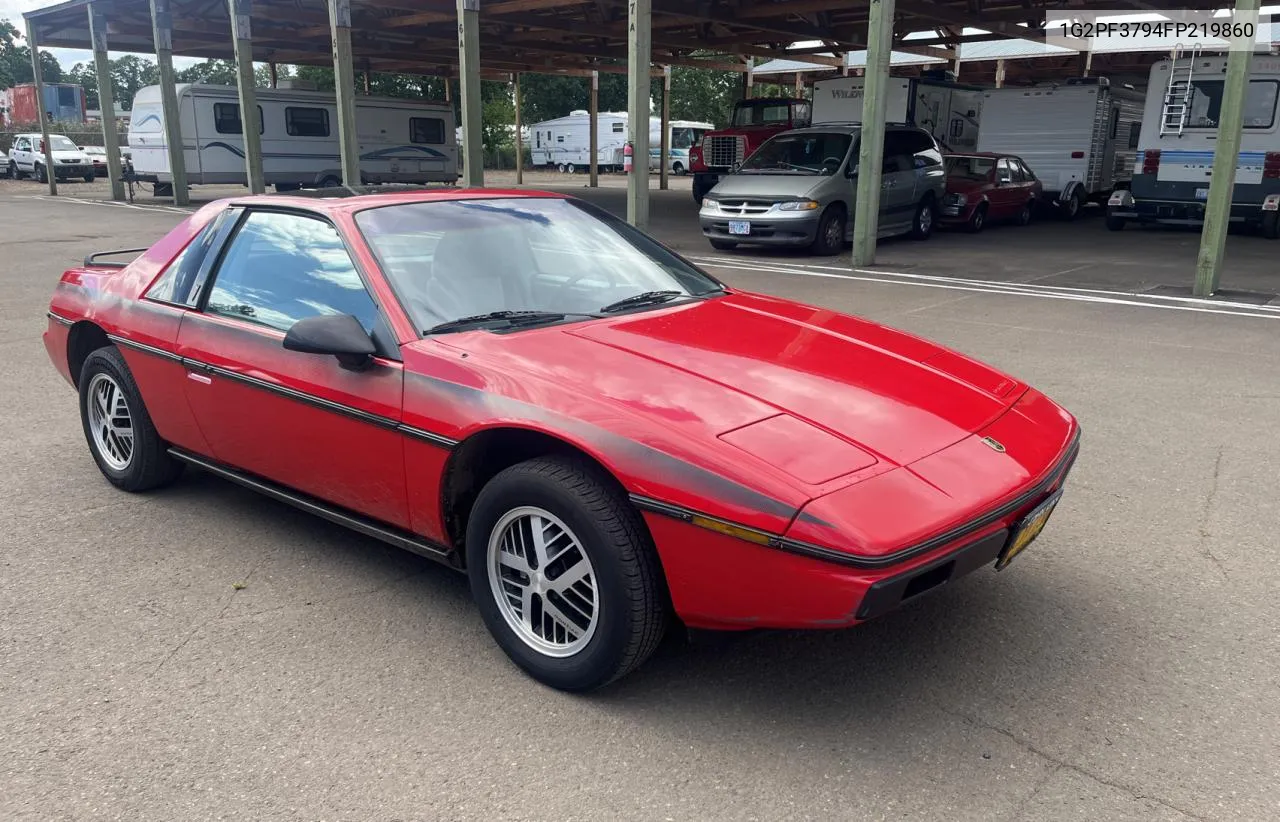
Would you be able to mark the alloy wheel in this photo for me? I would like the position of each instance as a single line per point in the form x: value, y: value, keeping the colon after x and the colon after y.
x: 110, y: 422
x: 543, y: 582
x: 926, y: 220
x: 835, y: 233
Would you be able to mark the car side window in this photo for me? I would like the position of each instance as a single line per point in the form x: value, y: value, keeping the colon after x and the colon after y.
x: 282, y: 267
x: 895, y: 148
x: 1003, y: 173
x: 180, y: 282
x: 1027, y: 174
x: 1015, y: 171
x: 924, y: 153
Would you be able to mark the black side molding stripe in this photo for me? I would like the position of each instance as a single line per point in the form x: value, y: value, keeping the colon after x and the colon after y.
x: 808, y: 549
x: 145, y: 349
x: 298, y: 396
x: 58, y: 318
x: 349, y: 519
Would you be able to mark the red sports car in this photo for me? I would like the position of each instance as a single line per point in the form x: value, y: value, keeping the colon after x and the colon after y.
x: 524, y: 387
x: 982, y: 187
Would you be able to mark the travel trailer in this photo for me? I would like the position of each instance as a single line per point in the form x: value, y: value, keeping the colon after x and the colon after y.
x: 565, y: 142
x: 1080, y: 139
x: 1177, y: 140
x: 948, y: 111
x: 401, y: 141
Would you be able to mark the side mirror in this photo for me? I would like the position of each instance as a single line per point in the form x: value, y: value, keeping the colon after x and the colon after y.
x: 340, y: 335
x: 851, y: 171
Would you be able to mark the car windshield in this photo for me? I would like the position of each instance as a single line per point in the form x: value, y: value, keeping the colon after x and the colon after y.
x: 977, y: 169
x: 686, y: 137
x: 807, y: 153
x: 762, y: 113
x: 462, y: 258
x: 61, y: 143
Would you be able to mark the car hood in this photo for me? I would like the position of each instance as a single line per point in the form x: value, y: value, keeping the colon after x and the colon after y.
x: 67, y: 154
x: 766, y: 186
x: 733, y: 361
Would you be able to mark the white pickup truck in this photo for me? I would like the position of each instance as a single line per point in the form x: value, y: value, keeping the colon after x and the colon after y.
x: 26, y: 157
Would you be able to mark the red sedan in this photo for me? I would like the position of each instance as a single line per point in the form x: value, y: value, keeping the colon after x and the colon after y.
x: 602, y: 436
x: 983, y: 187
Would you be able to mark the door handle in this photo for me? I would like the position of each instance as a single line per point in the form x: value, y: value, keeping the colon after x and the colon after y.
x: 200, y: 378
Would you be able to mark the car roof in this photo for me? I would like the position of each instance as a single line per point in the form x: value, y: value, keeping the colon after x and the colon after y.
x: 359, y: 198
x: 986, y: 155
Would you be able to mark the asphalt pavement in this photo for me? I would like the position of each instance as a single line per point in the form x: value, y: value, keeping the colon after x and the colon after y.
x: 205, y: 653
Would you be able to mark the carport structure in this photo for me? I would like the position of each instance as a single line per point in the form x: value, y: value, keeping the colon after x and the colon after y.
x: 470, y: 39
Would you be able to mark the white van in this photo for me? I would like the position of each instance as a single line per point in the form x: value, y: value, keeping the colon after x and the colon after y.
x: 401, y: 141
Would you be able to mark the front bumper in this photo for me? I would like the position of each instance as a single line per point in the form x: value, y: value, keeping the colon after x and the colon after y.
x: 951, y: 214
x: 777, y: 229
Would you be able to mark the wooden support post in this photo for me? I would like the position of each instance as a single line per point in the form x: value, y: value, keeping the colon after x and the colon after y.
x: 639, y: 55
x: 250, y: 121
x: 519, y: 137
x: 1088, y: 63
x: 664, y: 152
x: 273, y: 75
x: 1226, y: 155
x: 469, y: 74
x: 1000, y: 73
x: 799, y: 85
x: 50, y: 175
x: 344, y: 82
x: 749, y: 78
x: 955, y: 67
x: 106, y: 100
x: 593, y: 107
x: 866, y: 216
x: 162, y: 34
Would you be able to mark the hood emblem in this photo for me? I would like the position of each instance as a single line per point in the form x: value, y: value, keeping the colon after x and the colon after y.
x: 994, y: 444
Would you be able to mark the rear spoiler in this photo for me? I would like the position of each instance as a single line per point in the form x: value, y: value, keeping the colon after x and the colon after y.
x: 92, y: 261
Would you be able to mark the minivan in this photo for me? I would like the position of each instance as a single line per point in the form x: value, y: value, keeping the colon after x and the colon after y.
x: 799, y: 189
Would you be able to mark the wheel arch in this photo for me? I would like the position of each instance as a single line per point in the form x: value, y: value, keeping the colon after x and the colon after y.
x: 83, y: 339
x: 485, y: 453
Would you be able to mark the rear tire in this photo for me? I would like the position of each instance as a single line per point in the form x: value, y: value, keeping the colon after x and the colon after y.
x: 560, y: 168
x: 1271, y: 225
x: 1070, y: 207
x: 829, y: 240
x: 1115, y: 223
x: 122, y: 439
x: 571, y: 168
x: 723, y: 245
x: 330, y: 182
x: 1026, y: 214
x: 615, y: 613
x: 677, y: 169
x: 922, y: 221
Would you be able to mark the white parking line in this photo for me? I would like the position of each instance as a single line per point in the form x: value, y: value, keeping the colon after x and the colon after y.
x: 106, y: 203
x: 1089, y: 295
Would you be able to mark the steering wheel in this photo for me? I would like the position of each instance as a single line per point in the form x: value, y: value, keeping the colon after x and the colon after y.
x: 833, y: 163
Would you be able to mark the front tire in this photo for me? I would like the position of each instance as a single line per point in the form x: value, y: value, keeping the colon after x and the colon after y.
x: 564, y: 573
x: 830, y: 237
x: 122, y: 439
x: 41, y: 175
x: 677, y: 169
x: 14, y: 171
x: 91, y: 176
x: 1115, y: 223
x: 977, y: 220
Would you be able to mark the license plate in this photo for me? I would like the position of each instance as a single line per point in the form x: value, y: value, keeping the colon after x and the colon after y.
x: 739, y: 227
x: 1202, y: 193
x: 1027, y: 530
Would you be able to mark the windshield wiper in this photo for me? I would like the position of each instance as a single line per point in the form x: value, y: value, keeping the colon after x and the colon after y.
x: 510, y: 318
x: 645, y: 298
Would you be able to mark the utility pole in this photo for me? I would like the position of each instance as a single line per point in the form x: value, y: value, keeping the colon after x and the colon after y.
x: 1226, y: 155
x: 866, y: 214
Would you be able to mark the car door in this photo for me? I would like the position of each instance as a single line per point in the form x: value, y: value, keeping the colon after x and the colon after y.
x: 1005, y: 198
x: 301, y: 420
x: 897, y: 185
x: 22, y: 154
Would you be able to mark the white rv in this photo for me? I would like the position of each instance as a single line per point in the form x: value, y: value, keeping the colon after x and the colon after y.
x: 1176, y: 146
x: 949, y: 111
x: 1080, y: 138
x: 565, y: 142
x: 401, y: 141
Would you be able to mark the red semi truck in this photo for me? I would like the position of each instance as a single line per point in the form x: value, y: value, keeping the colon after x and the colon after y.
x: 754, y: 121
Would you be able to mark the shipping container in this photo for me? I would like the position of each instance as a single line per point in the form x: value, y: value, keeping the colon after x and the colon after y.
x: 64, y: 101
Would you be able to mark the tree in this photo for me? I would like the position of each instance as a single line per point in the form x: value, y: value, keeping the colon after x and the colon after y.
x: 701, y: 94
x: 15, y: 60
x: 83, y: 75
x: 128, y: 74
x: 547, y: 96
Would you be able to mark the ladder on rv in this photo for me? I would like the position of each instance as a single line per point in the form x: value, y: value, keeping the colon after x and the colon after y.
x: 1177, y: 96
